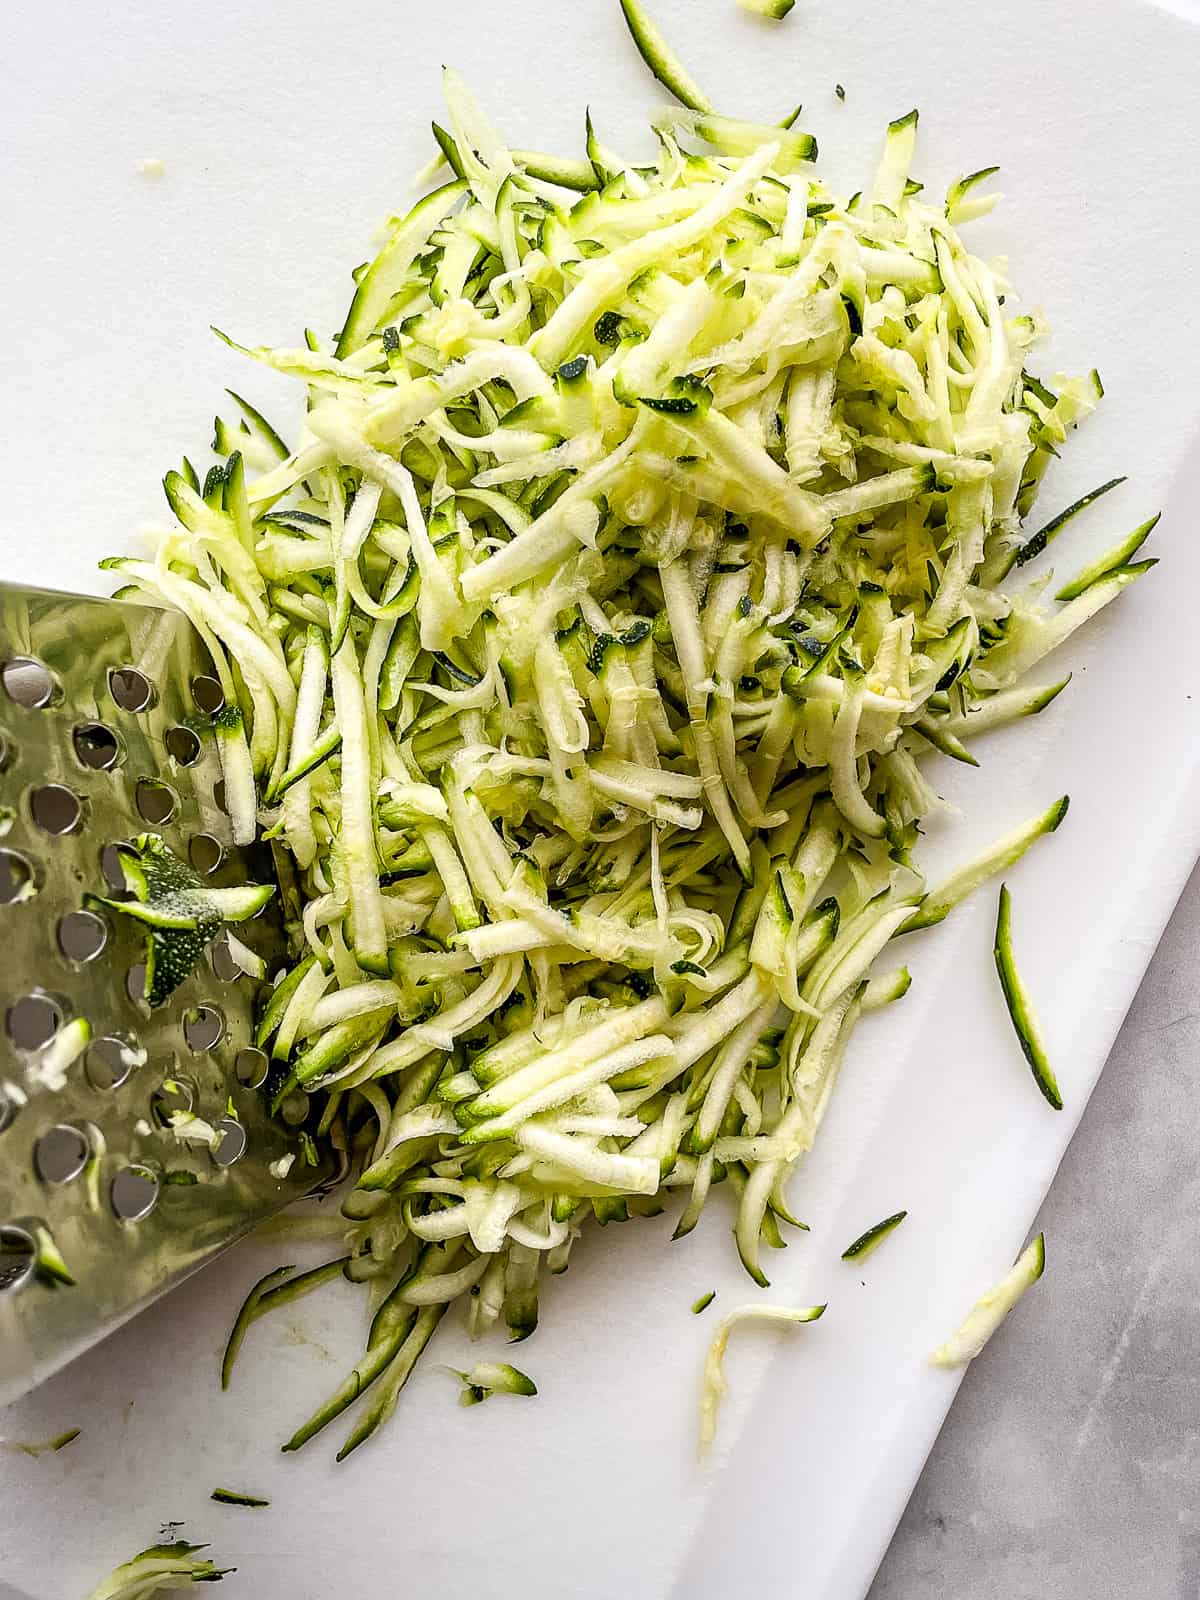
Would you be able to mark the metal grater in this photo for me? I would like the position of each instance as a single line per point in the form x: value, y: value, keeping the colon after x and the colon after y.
x: 105, y: 732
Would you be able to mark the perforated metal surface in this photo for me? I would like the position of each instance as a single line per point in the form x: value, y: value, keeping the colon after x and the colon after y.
x: 102, y: 736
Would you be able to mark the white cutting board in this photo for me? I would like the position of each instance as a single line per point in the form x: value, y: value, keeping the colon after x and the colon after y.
x: 288, y: 129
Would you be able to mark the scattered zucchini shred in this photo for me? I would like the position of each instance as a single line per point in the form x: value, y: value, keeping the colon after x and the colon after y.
x: 661, y: 59
x: 161, y: 1568
x: 703, y: 1303
x: 990, y: 1310
x: 273, y: 1290
x: 715, y: 1387
x: 247, y: 1314
x: 1039, y: 541
x: 584, y: 654
x: 231, y: 1497
x: 1118, y: 559
x: 775, y: 10
x: 43, y: 1447
x: 1020, y: 1008
x: 870, y: 1241
x: 487, y: 1378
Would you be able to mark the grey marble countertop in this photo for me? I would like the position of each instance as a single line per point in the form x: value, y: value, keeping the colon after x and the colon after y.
x: 1069, y: 1466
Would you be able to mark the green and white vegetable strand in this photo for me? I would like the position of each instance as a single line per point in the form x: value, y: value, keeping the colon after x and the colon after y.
x: 867, y: 1243
x: 1020, y: 1008
x: 714, y: 1386
x: 990, y: 1310
x: 42, y: 1447
x: 487, y: 1378
x: 776, y: 10
x: 161, y: 1569
x: 234, y: 1497
x: 641, y: 543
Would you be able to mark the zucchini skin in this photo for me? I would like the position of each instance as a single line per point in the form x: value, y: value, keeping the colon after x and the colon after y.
x: 870, y: 1241
x: 1020, y: 1009
x: 661, y: 59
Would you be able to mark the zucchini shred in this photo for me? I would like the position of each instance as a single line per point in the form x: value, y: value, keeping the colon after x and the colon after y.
x: 641, y: 543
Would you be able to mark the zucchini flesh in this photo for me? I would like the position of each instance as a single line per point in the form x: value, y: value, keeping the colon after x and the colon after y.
x: 1114, y: 560
x: 938, y: 904
x: 487, y: 1378
x: 714, y: 1386
x: 990, y: 1310
x: 161, y: 1567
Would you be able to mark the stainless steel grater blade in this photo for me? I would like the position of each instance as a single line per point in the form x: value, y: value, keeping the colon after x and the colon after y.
x: 105, y: 732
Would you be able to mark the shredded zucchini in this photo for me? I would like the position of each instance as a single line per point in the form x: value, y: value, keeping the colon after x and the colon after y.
x: 584, y: 657
x: 179, y: 912
x: 990, y: 1310
x: 42, y: 1447
x: 661, y: 59
x: 49, y: 1066
x: 234, y: 1497
x: 714, y: 1386
x: 487, y: 1378
x: 868, y: 1242
x: 161, y: 1568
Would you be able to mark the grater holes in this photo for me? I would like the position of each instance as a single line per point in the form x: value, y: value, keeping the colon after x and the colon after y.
x: 135, y: 984
x: 251, y: 1067
x: 220, y: 958
x: 60, y: 1154
x: 109, y: 1062
x: 7, y: 751
x: 133, y: 1193
x: 82, y: 936
x: 56, y: 809
x: 18, y: 878
x: 205, y: 853
x: 207, y: 695
x: 29, y: 683
x: 183, y: 746
x: 113, y: 873
x: 233, y: 1142
x: 96, y: 747
x: 130, y: 688
x: 18, y: 1257
x: 33, y: 1020
x: 219, y: 796
x: 203, y: 1028
x: 295, y: 1108
x: 174, y: 1096
x: 156, y: 802
x: 8, y: 1109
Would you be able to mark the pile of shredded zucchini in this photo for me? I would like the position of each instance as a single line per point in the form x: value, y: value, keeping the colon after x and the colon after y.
x: 645, y: 535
